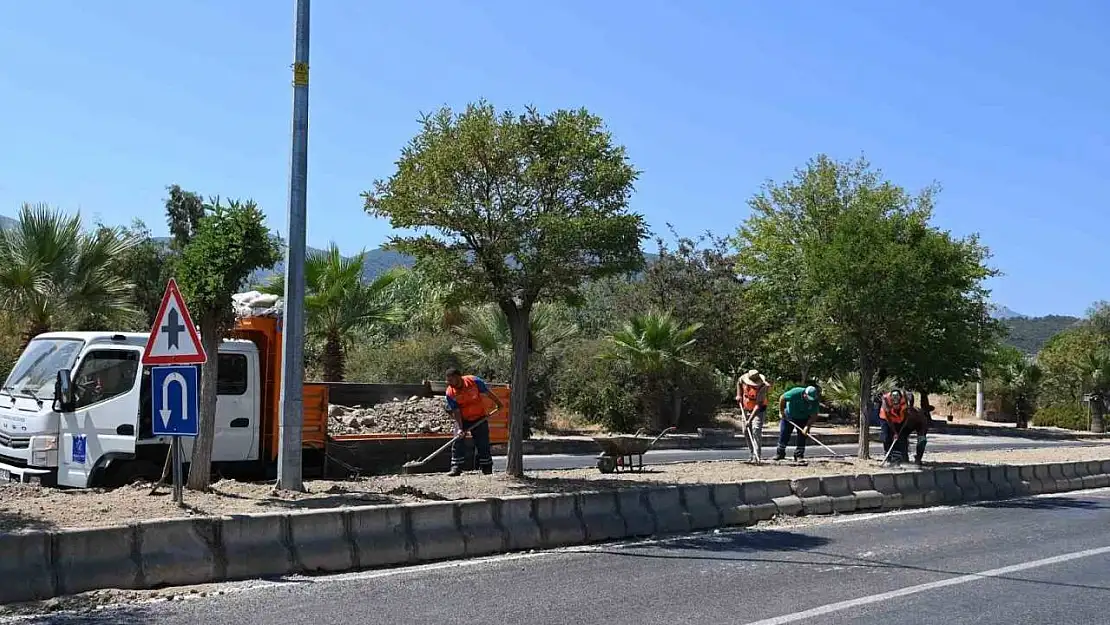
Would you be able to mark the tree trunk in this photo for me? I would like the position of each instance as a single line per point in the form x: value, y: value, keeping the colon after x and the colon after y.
x: 1098, y: 407
x: 518, y: 399
x: 865, y: 374
x: 200, y: 467
x: 677, y: 403
x: 334, y: 360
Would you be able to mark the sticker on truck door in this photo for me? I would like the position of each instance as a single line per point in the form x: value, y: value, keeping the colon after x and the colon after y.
x: 80, y: 445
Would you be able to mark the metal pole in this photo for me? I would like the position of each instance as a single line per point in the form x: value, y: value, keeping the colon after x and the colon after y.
x: 178, y: 496
x: 979, y: 397
x: 292, y: 361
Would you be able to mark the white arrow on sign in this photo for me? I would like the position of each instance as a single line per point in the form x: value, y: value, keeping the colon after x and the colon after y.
x: 165, y: 411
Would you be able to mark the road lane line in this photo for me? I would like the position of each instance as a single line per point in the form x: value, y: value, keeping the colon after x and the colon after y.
x: 913, y: 590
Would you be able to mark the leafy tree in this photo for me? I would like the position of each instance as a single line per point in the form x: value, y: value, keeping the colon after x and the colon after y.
x: 855, y: 254
x: 53, y: 275
x: 656, y: 346
x: 514, y: 209
x: 219, y: 251
x: 145, y: 265
x: 1021, y: 383
x: 1076, y: 362
x: 1066, y: 360
x: 339, y: 304
x: 697, y: 283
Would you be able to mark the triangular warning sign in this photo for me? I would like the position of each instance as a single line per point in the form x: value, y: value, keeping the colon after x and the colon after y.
x: 173, y: 339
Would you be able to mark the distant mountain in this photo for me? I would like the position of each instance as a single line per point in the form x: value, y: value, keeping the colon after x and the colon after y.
x: 1001, y: 312
x: 1029, y: 334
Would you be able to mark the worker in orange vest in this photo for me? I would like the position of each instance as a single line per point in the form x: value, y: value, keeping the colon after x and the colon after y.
x: 892, y: 416
x: 464, y: 402
x: 751, y: 393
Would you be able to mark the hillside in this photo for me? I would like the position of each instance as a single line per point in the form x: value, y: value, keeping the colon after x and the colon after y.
x: 1029, y: 334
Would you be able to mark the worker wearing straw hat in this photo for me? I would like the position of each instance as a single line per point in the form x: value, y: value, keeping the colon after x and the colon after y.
x: 751, y: 395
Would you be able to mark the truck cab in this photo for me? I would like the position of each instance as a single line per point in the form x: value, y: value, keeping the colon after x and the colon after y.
x: 105, y: 435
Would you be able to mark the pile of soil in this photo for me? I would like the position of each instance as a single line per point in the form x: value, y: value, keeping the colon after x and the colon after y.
x: 424, y: 415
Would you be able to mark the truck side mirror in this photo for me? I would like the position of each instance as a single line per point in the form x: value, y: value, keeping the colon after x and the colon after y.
x: 63, y: 392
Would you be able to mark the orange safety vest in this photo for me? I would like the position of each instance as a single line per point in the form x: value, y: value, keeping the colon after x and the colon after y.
x: 469, y: 399
x: 893, y: 414
x: 751, y: 396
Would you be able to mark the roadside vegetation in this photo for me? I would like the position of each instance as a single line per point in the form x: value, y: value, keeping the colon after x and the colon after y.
x: 526, y: 264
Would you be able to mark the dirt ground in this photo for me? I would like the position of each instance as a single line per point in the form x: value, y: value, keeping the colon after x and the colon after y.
x: 28, y: 507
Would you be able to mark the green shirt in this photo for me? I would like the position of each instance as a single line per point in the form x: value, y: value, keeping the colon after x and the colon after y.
x: 798, y: 408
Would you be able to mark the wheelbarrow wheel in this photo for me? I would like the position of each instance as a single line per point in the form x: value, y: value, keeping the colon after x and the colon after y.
x: 606, y: 464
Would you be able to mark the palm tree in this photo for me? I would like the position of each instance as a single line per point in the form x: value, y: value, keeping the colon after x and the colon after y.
x: 54, y: 275
x: 1021, y: 382
x: 485, y: 341
x: 655, y: 346
x: 842, y: 393
x: 339, y: 304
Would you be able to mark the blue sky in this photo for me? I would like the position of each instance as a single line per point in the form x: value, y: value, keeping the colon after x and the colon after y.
x: 106, y: 103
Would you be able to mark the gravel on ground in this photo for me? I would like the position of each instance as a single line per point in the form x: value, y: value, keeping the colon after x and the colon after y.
x: 25, y: 507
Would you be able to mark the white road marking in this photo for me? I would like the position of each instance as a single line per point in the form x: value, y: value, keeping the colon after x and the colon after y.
x: 913, y: 590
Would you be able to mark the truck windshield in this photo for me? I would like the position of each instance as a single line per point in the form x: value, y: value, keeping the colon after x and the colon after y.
x: 35, y: 371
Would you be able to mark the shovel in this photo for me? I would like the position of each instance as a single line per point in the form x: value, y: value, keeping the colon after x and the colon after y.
x: 415, y: 464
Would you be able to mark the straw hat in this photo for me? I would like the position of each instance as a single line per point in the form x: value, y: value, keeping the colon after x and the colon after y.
x: 753, y: 378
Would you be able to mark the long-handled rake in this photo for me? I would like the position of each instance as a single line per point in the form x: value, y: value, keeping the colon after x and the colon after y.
x: 751, y: 435
x: 814, y: 439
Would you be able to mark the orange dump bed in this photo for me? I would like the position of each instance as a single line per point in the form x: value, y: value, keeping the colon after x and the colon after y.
x: 265, y: 332
x: 498, y: 424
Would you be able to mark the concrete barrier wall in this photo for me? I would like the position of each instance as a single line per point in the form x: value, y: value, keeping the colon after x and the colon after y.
x: 39, y: 565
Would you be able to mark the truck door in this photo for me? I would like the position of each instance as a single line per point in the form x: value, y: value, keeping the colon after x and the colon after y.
x: 104, y: 420
x: 237, y: 418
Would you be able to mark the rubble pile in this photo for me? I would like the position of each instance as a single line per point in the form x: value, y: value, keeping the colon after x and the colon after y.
x: 415, y: 415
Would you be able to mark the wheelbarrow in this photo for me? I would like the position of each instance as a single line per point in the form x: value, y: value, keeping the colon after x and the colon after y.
x: 625, y: 452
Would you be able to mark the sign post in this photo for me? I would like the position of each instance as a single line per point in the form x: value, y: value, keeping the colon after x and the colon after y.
x: 175, y: 353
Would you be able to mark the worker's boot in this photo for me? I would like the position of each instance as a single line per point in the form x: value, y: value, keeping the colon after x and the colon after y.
x: 455, y: 471
x: 487, y: 469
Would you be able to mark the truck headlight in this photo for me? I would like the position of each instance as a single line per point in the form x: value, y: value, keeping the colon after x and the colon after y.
x: 44, y: 451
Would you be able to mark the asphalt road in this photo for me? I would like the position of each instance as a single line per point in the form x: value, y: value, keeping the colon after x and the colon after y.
x: 937, y: 443
x: 1024, y: 562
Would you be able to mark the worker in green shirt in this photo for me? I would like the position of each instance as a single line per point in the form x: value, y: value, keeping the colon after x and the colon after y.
x: 797, y: 407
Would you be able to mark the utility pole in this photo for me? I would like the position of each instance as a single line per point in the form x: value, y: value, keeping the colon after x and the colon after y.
x: 292, y: 360
x: 979, y: 396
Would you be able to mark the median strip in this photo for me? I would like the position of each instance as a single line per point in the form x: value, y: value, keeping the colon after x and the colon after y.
x: 42, y: 564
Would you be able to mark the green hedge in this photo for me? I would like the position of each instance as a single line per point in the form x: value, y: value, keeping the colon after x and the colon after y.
x: 1070, y: 417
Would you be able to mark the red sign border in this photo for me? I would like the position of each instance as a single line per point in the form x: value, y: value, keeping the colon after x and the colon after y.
x: 185, y: 359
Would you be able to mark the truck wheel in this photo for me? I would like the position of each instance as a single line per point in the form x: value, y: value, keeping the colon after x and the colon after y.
x: 123, y: 473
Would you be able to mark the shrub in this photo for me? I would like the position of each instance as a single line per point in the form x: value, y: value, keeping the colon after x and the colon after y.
x: 411, y: 361
x: 1070, y: 417
x: 604, y: 393
x: 703, y: 392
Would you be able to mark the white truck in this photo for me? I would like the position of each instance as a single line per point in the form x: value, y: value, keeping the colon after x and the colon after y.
x: 76, y: 409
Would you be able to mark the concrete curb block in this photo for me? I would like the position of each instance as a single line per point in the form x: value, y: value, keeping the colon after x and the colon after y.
x: 148, y: 554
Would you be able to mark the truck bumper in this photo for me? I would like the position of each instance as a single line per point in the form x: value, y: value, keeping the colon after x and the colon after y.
x: 11, y: 472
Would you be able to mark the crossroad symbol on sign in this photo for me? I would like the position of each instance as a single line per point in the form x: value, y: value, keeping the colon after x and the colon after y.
x: 174, y: 397
x: 173, y: 339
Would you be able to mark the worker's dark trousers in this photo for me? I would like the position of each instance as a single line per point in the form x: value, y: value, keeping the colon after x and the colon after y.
x: 901, y: 451
x: 482, y: 453
x: 785, y: 429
